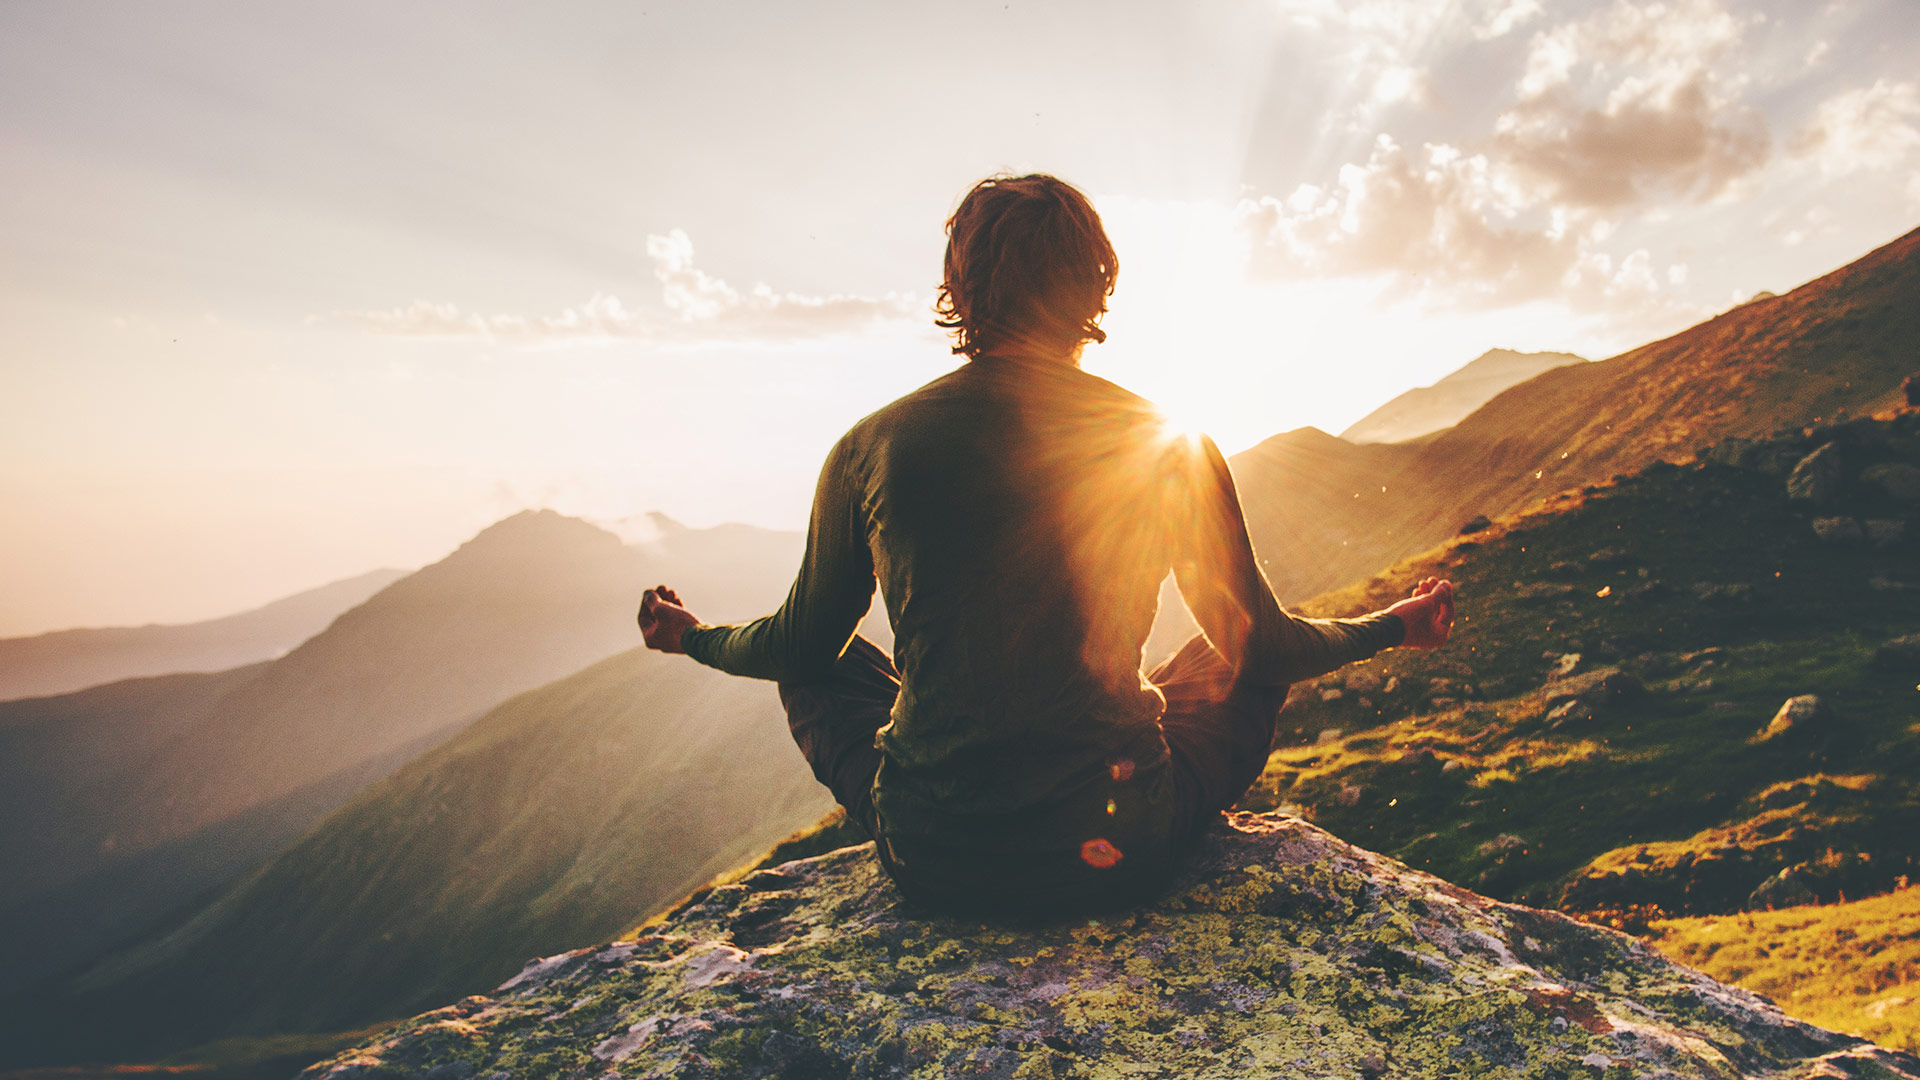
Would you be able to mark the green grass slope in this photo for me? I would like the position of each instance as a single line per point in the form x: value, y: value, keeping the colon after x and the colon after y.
x: 562, y: 816
x: 1853, y: 967
x: 127, y: 801
x: 1654, y: 790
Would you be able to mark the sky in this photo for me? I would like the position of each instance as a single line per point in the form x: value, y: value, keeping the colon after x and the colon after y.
x: 293, y: 291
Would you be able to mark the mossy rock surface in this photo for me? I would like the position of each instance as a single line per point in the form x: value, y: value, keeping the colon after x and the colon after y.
x: 1282, y: 952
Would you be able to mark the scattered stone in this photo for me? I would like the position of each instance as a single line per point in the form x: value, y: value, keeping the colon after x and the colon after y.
x: 1896, y: 479
x: 1899, y: 654
x: 1363, y: 679
x: 1393, y: 683
x: 1836, y: 529
x: 1453, y: 765
x: 1350, y: 794
x: 1796, y: 712
x: 1474, y: 524
x: 1332, y: 693
x: 1327, y: 735
x: 1607, y: 685
x: 1783, y: 889
x: 1503, y: 847
x: 1564, y: 666
x: 1607, y: 557
x: 1816, y: 478
x: 1886, y: 532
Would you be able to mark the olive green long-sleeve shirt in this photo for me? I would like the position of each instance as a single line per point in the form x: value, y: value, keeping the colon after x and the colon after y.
x: 1019, y: 516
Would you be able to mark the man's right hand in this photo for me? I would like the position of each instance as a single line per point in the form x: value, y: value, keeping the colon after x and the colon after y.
x: 663, y: 620
x: 1427, y: 614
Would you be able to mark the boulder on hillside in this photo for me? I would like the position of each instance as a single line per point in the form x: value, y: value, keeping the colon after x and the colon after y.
x: 1837, y: 529
x: 1901, y: 654
x: 1911, y: 387
x: 1737, y: 452
x: 1585, y: 698
x: 1816, y: 479
x: 1897, y: 479
x: 1796, y: 713
x: 1283, y: 952
x: 1886, y: 532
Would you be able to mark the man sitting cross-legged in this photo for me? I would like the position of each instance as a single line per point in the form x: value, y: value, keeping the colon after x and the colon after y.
x: 1019, y: 515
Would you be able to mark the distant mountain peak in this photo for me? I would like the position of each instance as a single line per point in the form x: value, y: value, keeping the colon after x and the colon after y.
x: 1427, y: 409
x: 542, y: 529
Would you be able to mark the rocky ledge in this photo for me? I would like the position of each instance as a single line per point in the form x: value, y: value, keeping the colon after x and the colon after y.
x: 1283, y: 952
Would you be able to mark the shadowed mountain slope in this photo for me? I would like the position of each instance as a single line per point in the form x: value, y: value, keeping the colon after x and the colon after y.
x: 230, y: 767
x: 67, y: 660
x: 560, y: 816
x: 1427, y: 409
x: 1837, y: 345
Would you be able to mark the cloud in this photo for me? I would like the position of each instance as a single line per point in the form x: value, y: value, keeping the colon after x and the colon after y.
x: 1628, y: 106
x: 1382, y: 45
x: 1444, y: 223
x: 696, y: 307
x: 1621, y: 112
x: 1870, y: 128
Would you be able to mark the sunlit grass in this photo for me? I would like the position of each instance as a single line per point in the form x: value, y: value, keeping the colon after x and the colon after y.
x: 1853, y: 967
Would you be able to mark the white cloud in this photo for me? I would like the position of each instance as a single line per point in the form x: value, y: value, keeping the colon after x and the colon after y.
x: 698, y: 307
x: 1867, y: 128
x: 1623, y: 112
x: 1383, y: 45
x: 1630, y: 105
x: 1447, y: 225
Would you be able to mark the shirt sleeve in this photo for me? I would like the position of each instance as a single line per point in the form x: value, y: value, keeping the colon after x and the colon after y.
x: 1231, y: 599
x: 801, y: 641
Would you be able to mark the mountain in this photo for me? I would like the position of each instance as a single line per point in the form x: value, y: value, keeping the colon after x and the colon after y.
x: 1836, y: 346
x: 562, y: 815
x: 1427, y: 409
x: 129, y: 799
x: 1686, y: 693
x: 1282, y: 952
x: 67, y: 660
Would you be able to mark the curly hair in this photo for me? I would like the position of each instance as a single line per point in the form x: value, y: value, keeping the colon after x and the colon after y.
x: 1028, y: 268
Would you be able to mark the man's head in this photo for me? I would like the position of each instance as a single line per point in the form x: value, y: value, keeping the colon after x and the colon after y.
x: 1029, y: 269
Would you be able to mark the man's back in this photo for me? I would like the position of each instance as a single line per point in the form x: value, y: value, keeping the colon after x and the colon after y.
x: 1015, y: 511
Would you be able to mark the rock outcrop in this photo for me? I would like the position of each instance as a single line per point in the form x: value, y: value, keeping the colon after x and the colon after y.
x: 1283, y: 952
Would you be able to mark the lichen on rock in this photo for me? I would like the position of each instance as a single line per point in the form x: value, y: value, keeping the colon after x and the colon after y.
x: 1282, y: 951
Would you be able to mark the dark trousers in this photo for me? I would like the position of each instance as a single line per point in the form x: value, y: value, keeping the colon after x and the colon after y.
x: 1218, y: 736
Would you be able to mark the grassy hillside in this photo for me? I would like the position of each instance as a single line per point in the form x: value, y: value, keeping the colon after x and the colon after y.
x: 134, y: 798
x: 1685, y: 606
x: 1853, y: 967
x: 1325, y: 512
x: 559, y: 817
x: 67, y: 660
